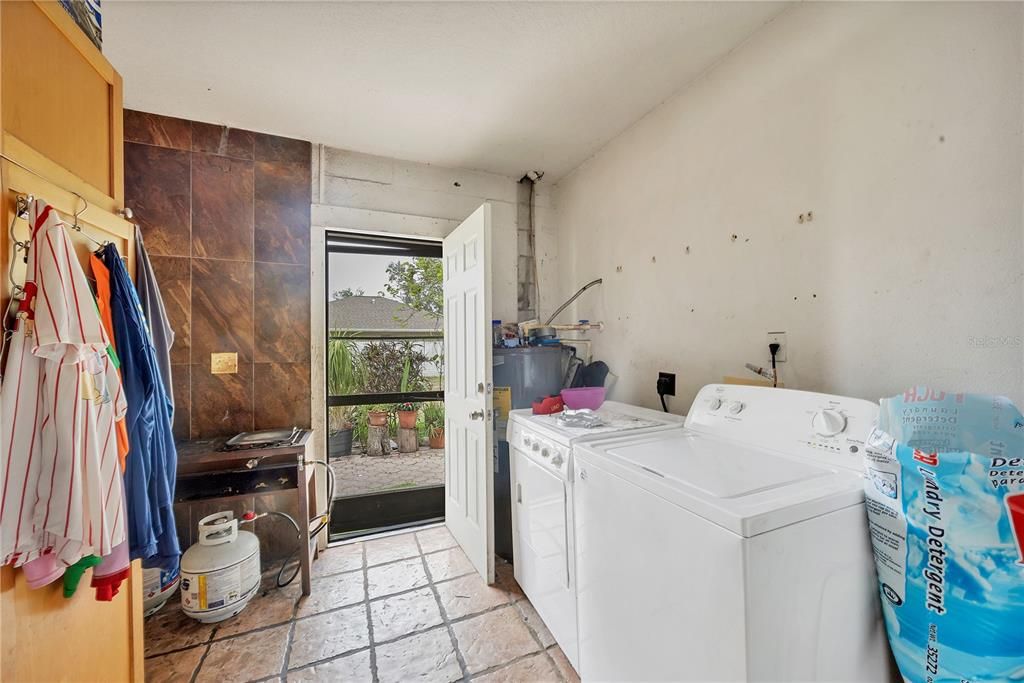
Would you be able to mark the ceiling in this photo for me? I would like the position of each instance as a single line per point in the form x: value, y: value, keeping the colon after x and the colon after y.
x: 500, y: 87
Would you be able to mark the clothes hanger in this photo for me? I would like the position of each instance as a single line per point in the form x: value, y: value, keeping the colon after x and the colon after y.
x: 76, y: 226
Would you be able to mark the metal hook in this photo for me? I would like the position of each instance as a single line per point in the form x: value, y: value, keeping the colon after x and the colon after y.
x: 24, y: 201
x: 85, y: 208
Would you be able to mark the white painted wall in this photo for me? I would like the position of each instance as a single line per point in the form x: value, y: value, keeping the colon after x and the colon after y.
x: 354, y: 191
x: 899, y: 126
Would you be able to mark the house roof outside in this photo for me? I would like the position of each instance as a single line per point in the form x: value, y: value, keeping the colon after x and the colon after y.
x: 378, y: 314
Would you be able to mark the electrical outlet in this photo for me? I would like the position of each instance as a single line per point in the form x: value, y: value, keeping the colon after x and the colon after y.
x: 780, y: 339
x: 667, y: 383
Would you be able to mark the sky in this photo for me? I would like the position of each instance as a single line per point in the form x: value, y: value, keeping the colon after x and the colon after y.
x: 359, y: 271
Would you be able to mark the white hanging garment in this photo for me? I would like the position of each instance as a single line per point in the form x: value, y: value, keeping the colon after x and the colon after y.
x: 58, y: 405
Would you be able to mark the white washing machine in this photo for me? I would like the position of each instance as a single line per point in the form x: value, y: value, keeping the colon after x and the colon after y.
x: 734, y: 550
x: 541, y: 457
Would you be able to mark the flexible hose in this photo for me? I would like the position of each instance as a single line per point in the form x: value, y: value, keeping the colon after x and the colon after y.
x: 572, y: 298
x: 321, y: 520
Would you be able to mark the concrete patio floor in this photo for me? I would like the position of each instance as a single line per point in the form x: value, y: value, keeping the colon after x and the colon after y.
x: 357, y: 473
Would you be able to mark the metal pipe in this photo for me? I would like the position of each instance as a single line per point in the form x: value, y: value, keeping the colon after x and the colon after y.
x: 573, y: 298
x: 767, y: 374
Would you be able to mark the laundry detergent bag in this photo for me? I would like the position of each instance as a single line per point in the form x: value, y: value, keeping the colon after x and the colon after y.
x: 945, y: 499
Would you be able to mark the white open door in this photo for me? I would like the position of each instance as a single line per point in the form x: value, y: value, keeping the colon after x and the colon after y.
x: 469, y: 435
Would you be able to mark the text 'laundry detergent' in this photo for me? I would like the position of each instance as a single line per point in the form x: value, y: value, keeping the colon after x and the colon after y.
x: 945, y: 499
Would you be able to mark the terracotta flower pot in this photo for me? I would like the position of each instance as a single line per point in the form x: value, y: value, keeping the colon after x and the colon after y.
x: 407, y: 419
x: 377, y: 418
x: 437, y: 437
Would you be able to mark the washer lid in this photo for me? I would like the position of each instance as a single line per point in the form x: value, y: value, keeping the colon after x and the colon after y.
x: 744, y: 489
x: 715, y: 471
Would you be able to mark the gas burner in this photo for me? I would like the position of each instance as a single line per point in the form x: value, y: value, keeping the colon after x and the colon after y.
x: 268, y: 438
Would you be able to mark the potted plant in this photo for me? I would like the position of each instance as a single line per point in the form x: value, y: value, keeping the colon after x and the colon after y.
x: 339, y: 439
x: 344, y: 375
x: 379, y: 426
x: 377, y: 416
x: 433, y: 418
x: 407, y: 413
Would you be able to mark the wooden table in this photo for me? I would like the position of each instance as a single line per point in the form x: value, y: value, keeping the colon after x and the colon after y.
x: 200, y: 462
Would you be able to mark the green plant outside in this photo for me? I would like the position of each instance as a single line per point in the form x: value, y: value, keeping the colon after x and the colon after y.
x: 433, y: 416
x: 345, y: 375
x: 375, y: 367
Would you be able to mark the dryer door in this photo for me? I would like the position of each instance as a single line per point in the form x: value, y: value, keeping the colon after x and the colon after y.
x: 541, y: 521
x: 543, y: 551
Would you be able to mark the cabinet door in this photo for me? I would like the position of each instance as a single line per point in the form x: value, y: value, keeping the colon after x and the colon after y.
x: 61, y: 101
x: 61, y: 116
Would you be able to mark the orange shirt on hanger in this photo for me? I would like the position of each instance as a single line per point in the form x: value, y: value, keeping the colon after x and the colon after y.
x: 103, y: 303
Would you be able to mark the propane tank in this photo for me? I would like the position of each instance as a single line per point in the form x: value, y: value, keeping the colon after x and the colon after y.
x: 158, y: 585
x: 220, y: 573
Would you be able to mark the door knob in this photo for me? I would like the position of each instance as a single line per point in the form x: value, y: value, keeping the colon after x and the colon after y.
x: 476, y: 415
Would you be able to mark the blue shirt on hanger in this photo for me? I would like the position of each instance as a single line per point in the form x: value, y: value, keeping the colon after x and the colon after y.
x: 152, y: 463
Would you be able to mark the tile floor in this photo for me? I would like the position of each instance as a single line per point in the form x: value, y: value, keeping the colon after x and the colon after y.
x: 400, y: 608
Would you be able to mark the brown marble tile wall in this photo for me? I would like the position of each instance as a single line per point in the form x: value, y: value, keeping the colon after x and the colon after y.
x: 225, y: 214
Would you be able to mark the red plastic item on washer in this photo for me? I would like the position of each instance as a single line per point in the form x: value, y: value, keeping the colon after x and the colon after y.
x: 548, y: 406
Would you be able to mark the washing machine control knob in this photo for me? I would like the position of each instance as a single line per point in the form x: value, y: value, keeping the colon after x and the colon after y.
x: 736, y: 407
x: 557, y: 460
x: 536, y: 446
x: 527, y: 440
x: 715, y: 403
x: 544, y: 452
x: 828, y: 422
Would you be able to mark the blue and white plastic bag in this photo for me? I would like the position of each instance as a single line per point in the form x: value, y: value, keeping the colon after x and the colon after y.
x: 945, y: 502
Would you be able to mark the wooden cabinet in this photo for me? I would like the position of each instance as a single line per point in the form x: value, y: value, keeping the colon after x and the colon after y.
x: 61, y: 139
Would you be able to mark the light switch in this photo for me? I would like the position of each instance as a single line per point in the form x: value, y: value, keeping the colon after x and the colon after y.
x: 224, y: 363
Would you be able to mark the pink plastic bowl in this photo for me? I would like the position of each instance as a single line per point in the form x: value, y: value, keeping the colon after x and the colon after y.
x: 583, y: 397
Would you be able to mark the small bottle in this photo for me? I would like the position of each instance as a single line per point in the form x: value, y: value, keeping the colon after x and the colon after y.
x: 496, y: 336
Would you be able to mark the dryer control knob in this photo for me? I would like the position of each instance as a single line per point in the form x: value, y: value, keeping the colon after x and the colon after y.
x: 736, y: 407
x: 557, y: 460
x: 527, y: 440
x: 828, y: 422
x: 544, y: 453
x: 536, y: 446
x: 715, y: 403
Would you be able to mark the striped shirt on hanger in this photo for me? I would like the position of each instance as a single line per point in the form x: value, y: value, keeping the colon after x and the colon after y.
x: 58, y: 405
